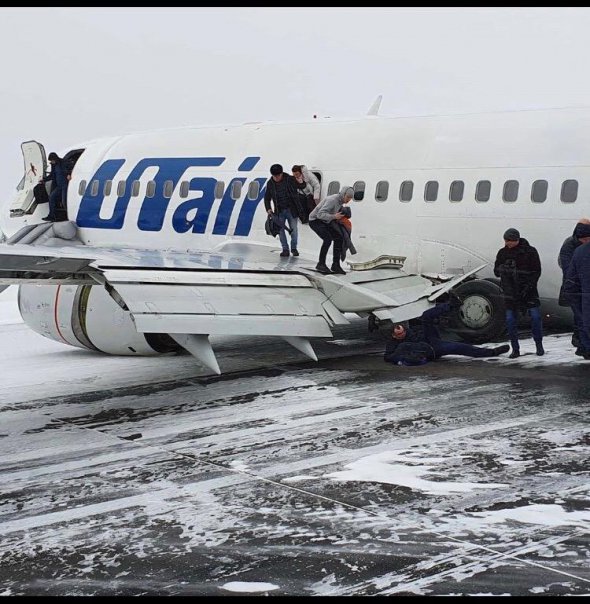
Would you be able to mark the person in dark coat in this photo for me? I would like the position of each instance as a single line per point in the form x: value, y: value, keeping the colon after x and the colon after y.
x: 59, y: 177
x: 566, y: 253
x: 519, y: 267
x: 281, y: 190
x: 577, y: 290
x: 415, y: 346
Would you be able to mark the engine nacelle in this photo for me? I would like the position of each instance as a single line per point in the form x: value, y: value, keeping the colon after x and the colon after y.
x: 87, y: 317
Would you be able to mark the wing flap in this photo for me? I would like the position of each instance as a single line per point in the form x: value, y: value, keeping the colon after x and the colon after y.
x: 242, y: 325
x: 222, y: 300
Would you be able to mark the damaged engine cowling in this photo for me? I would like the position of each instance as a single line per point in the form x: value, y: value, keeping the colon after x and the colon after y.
x: 87, y: 317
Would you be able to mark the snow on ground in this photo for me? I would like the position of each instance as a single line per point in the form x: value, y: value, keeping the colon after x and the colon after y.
x: 9, y: 307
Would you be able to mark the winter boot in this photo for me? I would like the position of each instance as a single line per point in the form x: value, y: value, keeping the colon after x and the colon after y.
x: 540, y: 349
x: 322, y: 268
x: 337, y: 269
x: 498, y: 350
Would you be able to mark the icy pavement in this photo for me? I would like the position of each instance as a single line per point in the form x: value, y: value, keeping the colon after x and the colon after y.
x: 144, y: 476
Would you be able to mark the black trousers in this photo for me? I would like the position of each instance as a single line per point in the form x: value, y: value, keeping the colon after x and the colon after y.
x: 40, y: 193
x: 328, y: 235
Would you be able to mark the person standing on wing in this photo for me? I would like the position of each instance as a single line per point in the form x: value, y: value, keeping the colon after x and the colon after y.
x: 519, y: 268
x: 281, y: 190
x: 319, y: 220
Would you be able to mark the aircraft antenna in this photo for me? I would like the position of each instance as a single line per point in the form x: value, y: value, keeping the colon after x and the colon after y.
x: 374, y: 109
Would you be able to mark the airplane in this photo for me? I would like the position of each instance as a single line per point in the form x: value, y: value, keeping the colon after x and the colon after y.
x: 165, y: 243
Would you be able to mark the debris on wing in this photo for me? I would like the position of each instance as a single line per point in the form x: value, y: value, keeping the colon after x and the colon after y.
x: 385, y: 260
x: 132, y: 436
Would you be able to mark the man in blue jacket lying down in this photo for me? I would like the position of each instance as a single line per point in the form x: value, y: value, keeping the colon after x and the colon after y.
x: 417, y: 346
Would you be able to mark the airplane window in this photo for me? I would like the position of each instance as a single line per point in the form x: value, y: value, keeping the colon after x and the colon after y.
x: 539, y: 191
x: 333, y: 187
x: 483, y: 190
x: 219, y: 189
x: 406, y: 190
x: 359, y: 190
x: 253, y: 189
x: 168, y: 188
x: 569, y: 191
x: 382, y: 190
x: 431, y: 190
x: 108, y: 184
x: 135, y: 188
x: 121, y: 188
x: 236, y: 189
x: 94, y: 188
x: 82, y: 187
x: 184, y: 189
x: 456, y: 190
x: 150, y: 189
x: 510, y: 192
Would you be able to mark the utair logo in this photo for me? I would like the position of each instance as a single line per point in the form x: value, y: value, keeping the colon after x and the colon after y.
x: 152, y: 212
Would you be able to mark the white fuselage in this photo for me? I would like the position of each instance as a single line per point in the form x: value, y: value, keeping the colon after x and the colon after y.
x: 177, y: 201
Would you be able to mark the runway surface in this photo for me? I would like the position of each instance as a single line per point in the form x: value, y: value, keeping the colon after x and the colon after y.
x: 145, y: 476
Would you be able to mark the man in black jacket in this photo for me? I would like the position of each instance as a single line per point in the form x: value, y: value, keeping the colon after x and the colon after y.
x: 566, y: 253
x: 519, y: 267
x: 281, y: 190
x: 59, y: 177
x: 415, y: 346
x: 576, y: 290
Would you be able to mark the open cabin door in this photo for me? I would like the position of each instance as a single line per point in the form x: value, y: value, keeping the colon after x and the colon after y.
x: 35, y: 164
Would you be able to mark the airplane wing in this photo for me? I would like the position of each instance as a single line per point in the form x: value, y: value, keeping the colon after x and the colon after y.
x: 239, y: 289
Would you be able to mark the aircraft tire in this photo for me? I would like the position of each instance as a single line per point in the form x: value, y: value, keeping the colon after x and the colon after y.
x: 481, y: 317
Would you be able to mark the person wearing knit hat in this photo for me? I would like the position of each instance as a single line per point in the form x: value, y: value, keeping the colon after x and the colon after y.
x: 319, y: 220
x: 59, y: 177
x: 566, y: 253
x: 511, y: 235
x: 519, y: 267
x: 582, y: 230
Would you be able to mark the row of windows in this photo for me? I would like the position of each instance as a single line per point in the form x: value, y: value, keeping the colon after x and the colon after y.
x: 167, y: 188
x: 483, y: 190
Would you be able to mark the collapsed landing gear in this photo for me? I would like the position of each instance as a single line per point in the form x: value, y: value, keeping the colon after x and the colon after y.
x: 481, y: 317
x: 374, y: 323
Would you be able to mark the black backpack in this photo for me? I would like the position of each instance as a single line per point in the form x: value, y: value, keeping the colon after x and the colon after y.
x: 273, y: 225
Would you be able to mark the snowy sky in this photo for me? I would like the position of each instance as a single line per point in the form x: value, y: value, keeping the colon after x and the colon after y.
x: 72, y: 74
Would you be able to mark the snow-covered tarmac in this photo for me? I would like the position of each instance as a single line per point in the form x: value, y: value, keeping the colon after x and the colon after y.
x: 146, y: 476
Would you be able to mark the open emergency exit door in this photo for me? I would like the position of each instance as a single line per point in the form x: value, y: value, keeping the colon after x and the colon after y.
x: 35, y: 164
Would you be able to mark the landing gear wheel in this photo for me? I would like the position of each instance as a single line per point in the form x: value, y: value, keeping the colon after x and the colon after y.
x: 481, y: 317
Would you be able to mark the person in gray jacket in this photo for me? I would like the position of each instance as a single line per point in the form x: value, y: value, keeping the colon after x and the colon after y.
x: 310, y: 179
x: 319, y: 220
